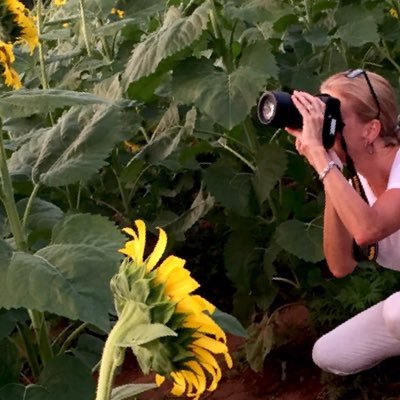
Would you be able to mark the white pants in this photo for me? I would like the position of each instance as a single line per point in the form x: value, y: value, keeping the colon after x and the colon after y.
x: 363, y: 341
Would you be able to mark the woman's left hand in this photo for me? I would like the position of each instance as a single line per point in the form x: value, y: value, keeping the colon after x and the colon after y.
x: 312, y: 109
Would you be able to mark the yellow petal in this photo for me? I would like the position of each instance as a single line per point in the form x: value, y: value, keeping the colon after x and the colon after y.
x: 179, y: 284
x: 210, y: 344
x: 179, y: 384
x: 228, y: 360
x: 141, y: 227
x: 191, y: 381
x: 158, y: 251
x: 170, y: 263
x: 130, y: 249
x: 205, y: 304
x: 201, y: 376
x: 205, y: 324
x: 159, y: 379
x: 208, y: 362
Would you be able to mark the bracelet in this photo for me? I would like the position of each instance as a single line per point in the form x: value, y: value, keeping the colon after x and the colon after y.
x: 331, y: 164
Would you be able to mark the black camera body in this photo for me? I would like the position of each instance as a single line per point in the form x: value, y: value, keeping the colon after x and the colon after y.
x: 276, y: 109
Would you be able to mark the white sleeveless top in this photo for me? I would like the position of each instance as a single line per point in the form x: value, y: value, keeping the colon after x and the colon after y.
x: 389, y: 247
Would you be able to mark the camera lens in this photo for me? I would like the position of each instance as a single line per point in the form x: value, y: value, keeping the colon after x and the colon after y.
x: 277, y: 110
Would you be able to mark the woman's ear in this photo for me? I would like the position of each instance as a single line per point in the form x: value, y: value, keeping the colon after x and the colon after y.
x: 372, y: 130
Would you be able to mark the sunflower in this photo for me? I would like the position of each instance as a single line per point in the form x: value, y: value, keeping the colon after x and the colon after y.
x: 27, y: 30
x: 187, y: 351
x: 59, y: 3
x: 11, y: 77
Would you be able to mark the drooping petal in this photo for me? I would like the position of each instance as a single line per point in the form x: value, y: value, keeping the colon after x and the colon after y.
x: 158, y: 251
x: 141, y: 227
x: 208, y: 362
x: 228, y: 360
x: 210, y: 344
x: 192, y: 383
x: 201, y: 376
x: 179, y: 384
x: 205, y: 303
x: 159, y: 380
x: 203, y: 323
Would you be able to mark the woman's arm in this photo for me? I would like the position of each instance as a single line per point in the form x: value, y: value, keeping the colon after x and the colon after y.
x: 338, y: 243
x: 365, y: 224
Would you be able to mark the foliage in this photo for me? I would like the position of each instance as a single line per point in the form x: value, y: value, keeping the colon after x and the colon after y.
x: 150, y: 114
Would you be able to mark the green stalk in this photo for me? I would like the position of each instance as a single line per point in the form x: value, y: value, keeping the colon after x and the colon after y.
x: 39, y: 25
x: 84, y: 27
x: 38, y: 321
x: 31, y: 353
x: 112, y: 354
x: 29, y: 205
x: 73, y: 336
x: 250, y: 134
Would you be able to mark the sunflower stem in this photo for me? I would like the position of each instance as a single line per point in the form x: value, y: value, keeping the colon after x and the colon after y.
x: 112, y: 356
x: 38, y: 321
x: 84, y: 27
x: 29, y: 205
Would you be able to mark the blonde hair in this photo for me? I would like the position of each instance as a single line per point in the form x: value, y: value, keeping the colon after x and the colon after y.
x: 358, y: 93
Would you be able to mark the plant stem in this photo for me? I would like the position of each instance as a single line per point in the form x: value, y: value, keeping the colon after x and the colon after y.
x: 84, y: 27
x: 112, y: 356
x: 43, y: 73
x: 250, y: 134
x: 31, y: 354
x: 223, y: 143
x: 29, y: 205
x: 122, y: 193
x: 9, y: 201
x: 38, y: 321
x: 73, y: 336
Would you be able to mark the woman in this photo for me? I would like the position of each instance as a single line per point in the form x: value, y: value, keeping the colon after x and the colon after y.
x: 369, y: 112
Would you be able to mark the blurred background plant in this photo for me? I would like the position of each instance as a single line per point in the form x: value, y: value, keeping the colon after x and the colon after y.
x: 145, y: 109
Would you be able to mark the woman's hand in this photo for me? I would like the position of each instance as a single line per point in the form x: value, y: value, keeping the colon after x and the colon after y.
x: 309, y: 139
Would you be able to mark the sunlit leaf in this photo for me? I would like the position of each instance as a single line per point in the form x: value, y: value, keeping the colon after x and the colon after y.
x: 168, y: 40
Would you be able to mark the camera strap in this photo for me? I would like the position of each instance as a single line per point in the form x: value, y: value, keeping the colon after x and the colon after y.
x: 369, y: 252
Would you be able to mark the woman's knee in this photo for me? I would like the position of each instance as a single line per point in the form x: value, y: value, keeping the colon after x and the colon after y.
x: 325, y: 356
x: 391, y: 314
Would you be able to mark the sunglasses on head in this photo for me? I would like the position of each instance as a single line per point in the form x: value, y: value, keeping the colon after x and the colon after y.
x: 353, y: 73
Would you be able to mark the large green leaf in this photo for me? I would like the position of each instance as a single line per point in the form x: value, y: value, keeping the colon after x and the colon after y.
x: 167, y: 136
x: 270, y: 167
x: 64, y: 378
x: 70, y: 277
x: 359, y: 32
x: 131, y: 390
x: 176, y: 34
x: 73, y: 149
x: 300, y: 239
x: 25, y: 102
x: 229, y: 186
x: 226, y: 97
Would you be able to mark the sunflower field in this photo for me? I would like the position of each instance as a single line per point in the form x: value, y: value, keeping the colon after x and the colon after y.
x: 144, y: 208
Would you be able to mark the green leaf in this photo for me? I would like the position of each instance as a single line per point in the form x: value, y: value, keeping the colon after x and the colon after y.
x: 300, y: 239
x: 63, y: 378
x: 170, y: 39
x: 270, y: 167
x: 359, y: 32
x: 226, y: 98
x: 228, y: 323
x: 230, y: 187
x: 9, y: 362
x: 43, y: 214
x: 89, y: 350
x: 259, y: 344
x: 260, y: 59
x: 71, y: 276
x: 131, y: 390
x: 77, y: 146
x: 66, y: 378
x: 201, y: 205
x: 25, y: 102
x: 145, y: 333
x: 167, y: 136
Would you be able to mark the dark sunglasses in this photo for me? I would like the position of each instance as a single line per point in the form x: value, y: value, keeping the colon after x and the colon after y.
x: 353, y: 73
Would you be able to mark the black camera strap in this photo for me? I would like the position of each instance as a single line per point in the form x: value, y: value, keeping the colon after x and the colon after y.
x: 369, y: 252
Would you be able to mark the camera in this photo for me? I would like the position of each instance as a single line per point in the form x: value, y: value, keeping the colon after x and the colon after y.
x: 276, y: 109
